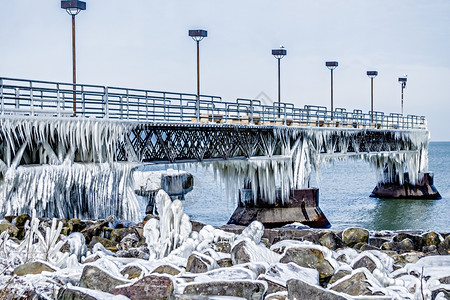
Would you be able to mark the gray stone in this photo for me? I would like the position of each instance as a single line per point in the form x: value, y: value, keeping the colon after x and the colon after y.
x: 272, y: 286
x: 352, y: 236
x: 150, y: 287
x: 35, y: 267
x: 132, y: 272
x: 198, y: 264
x: 167, y: 269
x: 105, y: 242
x: 10, y: 228
x: 331, y: 241
x: 339, y: 274
x: 239, y: 254
x: 72, y: 294
x: 365, y: 262
x: 309, y: 258
x: 356, y: 285
x: 225, y: 262
x: 431, y: 238
x: 445, y: 280
x: 299, y: 290
x: 190, y: 297
x: 250, y: 290
x: 377, y: 241
x: 365, y: 247
x: 444, y: 246
x: 97, y: 279
x: 407, y: 245
x: 118, y: 234
x: 222, y: 246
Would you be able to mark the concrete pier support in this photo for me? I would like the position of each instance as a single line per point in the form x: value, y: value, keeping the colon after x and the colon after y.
x: 302, y: 206
x: 423, y: 189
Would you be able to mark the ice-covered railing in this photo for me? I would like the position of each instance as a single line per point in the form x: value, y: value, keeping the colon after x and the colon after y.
x: 31, y: 97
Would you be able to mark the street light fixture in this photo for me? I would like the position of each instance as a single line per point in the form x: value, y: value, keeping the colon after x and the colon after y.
x: 402, y: 81
x: 279, y: 54
x: 73, y: 7
x: 197, y: 35
x: 372, y: 75
x: 331, y: 65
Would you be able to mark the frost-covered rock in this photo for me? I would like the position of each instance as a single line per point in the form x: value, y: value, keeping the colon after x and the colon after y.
x: 168, y: 269
x: 365, y: 262
x: 354, y: 235
x: 131, y: 271
x: 200, y: 263
x: 331, y: 241
x: 36, y: 267
x: 444, y: 246
x: 355, y: 285
x: 248, y: 289
x: 309, y: 258
x: 98, y: 279
x: 299, y: 289
x: 150, y: 287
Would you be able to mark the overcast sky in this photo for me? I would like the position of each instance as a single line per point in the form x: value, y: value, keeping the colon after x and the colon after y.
x: 144, y: 44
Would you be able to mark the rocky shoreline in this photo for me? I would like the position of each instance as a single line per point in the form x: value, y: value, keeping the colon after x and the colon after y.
x: 108, y: 258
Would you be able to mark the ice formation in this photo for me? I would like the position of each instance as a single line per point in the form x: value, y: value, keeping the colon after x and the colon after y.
x: 69, y: 168
x: 304, y: 150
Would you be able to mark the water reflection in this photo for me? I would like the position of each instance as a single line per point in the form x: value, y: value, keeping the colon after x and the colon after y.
x: 396, y: 214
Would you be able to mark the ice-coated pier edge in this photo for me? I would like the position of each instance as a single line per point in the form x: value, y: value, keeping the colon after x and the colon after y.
x: 82, y: 166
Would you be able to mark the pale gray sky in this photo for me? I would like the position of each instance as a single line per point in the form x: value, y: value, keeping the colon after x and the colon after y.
x: 144, y: 44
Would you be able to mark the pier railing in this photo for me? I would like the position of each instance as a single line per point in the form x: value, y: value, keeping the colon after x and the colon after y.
x: 44, y: 98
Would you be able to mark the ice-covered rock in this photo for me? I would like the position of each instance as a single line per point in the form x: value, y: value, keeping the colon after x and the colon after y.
x: 98, y: 279
x: 299, y: 289
x: 248, y: 289
x: 352, y: 236
x: 149, y: 287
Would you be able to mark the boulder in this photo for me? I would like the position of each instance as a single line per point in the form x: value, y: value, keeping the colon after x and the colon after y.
x: 430, y: 239
x: 250, y: 290
x: 225, y: 262
x: 355, y: 235
x: 298, y: 289
x: 272, y: 285
x: 75, y: 225
x: 341, y: 273
x: 222, y: 246
x: 377, y: 241
x: 97, y: 279
x: 309, y: 258
x: 239, y: 254
x: 71, y: 293
x: 356, y: 285
x: 36, y: 267
x: 167, y: 269
x: 12, y: 230
x: 132, y: 272
x: 444, y: 246
x: 22, y: 219
x: 118, y: 234
x: 199, y: 263
x: 365, y: 262
x: 407, y: 245
x: 331, y: 241
x: 150, y: 287
x: 129, y: 241
x: 105, y: 242
x: 141, y: 252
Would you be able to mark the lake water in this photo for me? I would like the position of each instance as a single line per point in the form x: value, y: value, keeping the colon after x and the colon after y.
x: 344, y: 197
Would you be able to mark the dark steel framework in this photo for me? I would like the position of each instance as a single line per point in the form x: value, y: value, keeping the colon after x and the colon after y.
x: 372, y: 75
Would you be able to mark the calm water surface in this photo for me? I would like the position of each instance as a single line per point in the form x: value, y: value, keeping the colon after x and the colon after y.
x: 344, y: 197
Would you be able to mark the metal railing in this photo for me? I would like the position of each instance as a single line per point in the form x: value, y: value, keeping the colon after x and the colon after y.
x: 44, y: 98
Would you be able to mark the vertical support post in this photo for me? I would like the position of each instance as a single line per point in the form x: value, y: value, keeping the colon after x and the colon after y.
x: 332, y: 109
x: 74, y: 72
x: 279, y: 86
x: 106, y: 101
x: 371, y: 99
x: 58, y: 97
x: 2, y: 97
x: 198, y: 82
x: 402, y: 98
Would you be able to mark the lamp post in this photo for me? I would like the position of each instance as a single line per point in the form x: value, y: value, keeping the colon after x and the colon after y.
x: 279, y: 54
x: 73, y: 7
x: 372, y: 75
x: 331, y: 65
x: 402, y: 81
x: 197, y: 35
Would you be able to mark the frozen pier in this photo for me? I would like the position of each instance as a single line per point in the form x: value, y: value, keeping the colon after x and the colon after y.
x: 51, y: 154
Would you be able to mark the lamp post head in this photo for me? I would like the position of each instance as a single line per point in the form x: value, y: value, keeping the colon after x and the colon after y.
x: 198, y: 34
x: 372, y: 74
x: 331, y: 64
x: 73, y: 7
x: 402, y: 81
x: 279, y: 53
